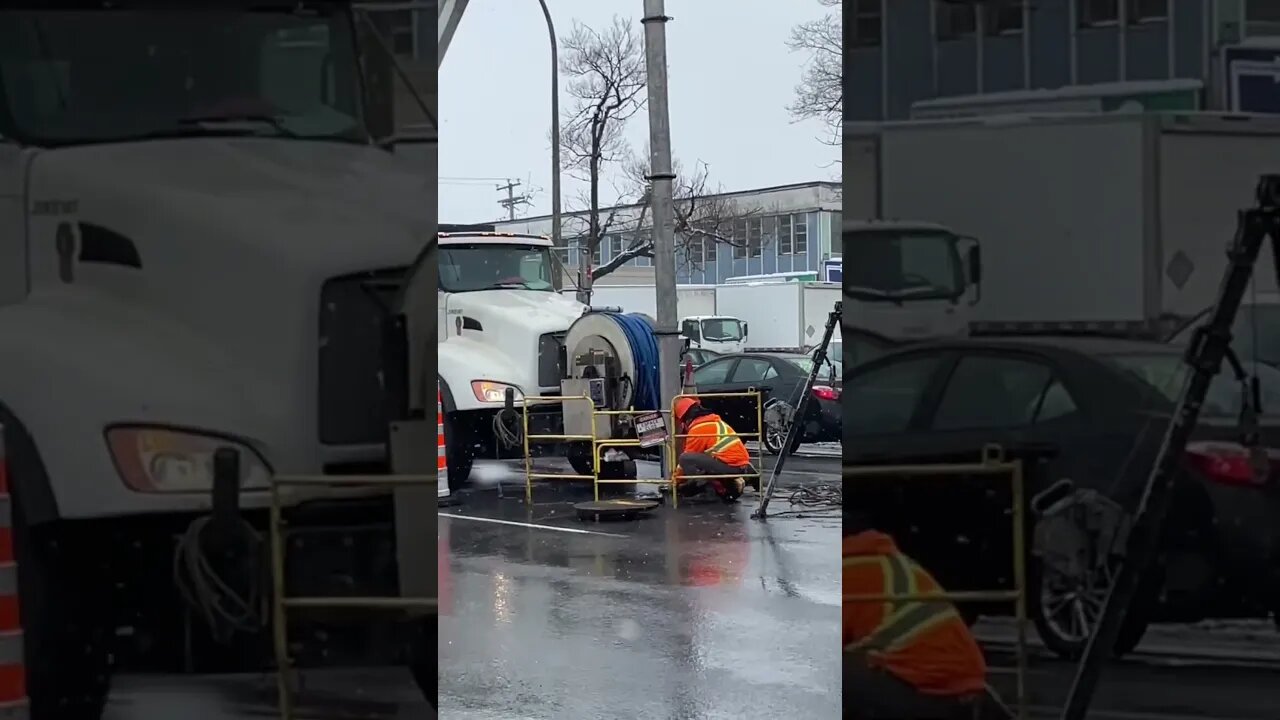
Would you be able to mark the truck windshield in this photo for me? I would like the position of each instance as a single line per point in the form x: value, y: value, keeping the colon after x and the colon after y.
x: 88, y: 74
x: 901, y: 265
x: 486, y: 266
x: 721, y: 329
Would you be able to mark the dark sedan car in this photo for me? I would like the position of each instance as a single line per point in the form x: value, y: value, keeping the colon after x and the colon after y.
x: 1088, y: 410
x: 778, y: 377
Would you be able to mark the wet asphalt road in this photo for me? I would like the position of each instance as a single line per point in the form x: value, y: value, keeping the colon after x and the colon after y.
x: 696, y: 612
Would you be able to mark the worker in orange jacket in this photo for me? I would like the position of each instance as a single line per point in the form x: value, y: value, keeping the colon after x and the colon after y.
x: 712, y: 448
x: 906, y: 660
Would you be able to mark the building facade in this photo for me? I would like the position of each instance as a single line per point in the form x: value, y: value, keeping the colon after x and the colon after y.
x: 787, y: 228
x: 905, y: 53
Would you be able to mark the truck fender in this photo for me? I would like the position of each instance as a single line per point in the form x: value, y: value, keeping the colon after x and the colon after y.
x: 462, y: 361
x: 27, y: 470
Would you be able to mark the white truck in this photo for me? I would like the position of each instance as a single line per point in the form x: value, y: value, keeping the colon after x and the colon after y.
x: 906, y: 280
x: 781, y: 315
x: 507, y: 336
x: 700, y: 322
x: 198, y: 243
x: 1101, y: 221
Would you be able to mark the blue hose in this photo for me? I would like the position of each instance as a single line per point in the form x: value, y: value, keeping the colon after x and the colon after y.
x: 644, y: 353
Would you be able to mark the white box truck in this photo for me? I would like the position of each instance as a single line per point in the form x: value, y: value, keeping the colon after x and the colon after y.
x: 780, y: 315
x: 1086, y: 220
x: 700, y: 322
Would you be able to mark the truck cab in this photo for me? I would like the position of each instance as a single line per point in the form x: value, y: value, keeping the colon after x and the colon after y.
x: 908, y: 281
x: 198, y: 233
x: 721, y: 334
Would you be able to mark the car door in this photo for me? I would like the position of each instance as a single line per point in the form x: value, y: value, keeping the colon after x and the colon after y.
x: 714, y: 378
x: 1016, y: 400
x: 883, y: 401
x: 751, y: 373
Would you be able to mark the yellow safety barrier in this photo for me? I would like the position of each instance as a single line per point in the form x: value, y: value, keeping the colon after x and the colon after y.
x: 598, y: 444
x: 601, y: 444
x: 529, y: 474
x: 281, y: 603
x: 677, y: 437
x: 993, y: 463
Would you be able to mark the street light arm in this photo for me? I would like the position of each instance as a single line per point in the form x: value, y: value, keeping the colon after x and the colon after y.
x: 555, y: 124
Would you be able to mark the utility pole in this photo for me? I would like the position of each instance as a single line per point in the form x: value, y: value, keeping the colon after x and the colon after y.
x: 660, y: 181
x: 511, y: 201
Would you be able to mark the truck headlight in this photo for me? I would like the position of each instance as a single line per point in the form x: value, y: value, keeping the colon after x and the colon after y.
x: 494, y: 392
x: 160, y: 460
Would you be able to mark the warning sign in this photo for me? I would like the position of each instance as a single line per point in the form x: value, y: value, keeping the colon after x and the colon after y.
x: 651, y: 429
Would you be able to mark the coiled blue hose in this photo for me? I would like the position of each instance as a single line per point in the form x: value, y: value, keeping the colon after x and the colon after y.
x: 644, y: 353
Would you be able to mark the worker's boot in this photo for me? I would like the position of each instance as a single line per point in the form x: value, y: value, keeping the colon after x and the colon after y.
x: 729, y: 490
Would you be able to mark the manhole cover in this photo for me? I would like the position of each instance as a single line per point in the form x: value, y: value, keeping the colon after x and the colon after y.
x: 1179, y: 269
x: 621, y: 509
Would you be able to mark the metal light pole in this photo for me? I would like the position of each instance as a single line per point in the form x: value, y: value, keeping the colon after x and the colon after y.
x: 660, y: 181
x: 555, y: 125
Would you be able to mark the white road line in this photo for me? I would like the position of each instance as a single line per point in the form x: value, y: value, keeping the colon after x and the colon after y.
x: 1125, y: 714
x: 530, y: 525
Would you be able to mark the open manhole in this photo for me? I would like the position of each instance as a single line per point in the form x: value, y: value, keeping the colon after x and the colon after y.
x: 621, y: 509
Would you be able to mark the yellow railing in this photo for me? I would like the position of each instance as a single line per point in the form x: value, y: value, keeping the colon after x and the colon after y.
x: 282, y: 603
x: 993, y: 463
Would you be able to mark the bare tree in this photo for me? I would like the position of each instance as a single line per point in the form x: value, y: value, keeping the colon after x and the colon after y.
x: 820, y: 93
x: 704, y: 217
x: 606, y: 78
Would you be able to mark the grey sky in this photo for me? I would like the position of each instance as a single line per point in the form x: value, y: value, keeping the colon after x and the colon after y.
x: 731, y: 78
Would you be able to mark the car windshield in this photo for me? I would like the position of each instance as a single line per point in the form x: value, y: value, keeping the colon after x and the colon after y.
x: 721, y: 329
x: 486, y: 266
x: 96, y: 74
x: 902, y: 264
x: 1254, y: 336
x: 1168, y: 374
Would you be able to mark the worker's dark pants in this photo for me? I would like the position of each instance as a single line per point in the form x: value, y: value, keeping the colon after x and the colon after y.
x: 872, y: 694
x: 694, y: 464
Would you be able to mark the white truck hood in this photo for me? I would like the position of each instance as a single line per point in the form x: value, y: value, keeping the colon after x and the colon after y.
x: 512, y: 323
x: 236, y: 237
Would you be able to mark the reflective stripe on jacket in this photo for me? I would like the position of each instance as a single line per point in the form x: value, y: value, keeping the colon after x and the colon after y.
x: 924, y: 643
x: 713, y: 436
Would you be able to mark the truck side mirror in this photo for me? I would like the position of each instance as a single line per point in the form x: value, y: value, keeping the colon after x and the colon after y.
x: 975, y: 265
x: 691, y: 330
x: 744, y: 330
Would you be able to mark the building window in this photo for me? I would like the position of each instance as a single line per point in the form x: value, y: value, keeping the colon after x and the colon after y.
x: 784, y: 235
x: 1003, y: 17
x: 1264, y: 11
x: 642, y: 237
x: 754, y: 237
x: 800, y: 235
x: 740, y: 240
x: 954, y: 20
x: 865, y: 24
x: 709, y: 249
x: 1095, y: 13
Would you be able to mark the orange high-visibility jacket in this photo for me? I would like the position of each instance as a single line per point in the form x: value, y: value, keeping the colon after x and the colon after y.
x: 709, y: 434
x: 925, y: 644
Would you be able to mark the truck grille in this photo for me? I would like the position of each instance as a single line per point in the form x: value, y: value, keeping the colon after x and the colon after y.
x: 354, y: 326
x: 551, y: 360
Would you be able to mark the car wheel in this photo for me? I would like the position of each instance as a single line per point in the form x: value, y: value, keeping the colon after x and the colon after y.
x: 1065, y: 609
x: 775, y: 434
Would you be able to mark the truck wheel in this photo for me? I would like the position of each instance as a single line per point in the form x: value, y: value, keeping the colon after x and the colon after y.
x: 67, y: 629
x: 456, y: 452
x: 65, y: 606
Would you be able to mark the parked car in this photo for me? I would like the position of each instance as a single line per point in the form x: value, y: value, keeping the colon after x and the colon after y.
x: 1256, y: 333
x: 1090, y: 410
x: 778, y: 376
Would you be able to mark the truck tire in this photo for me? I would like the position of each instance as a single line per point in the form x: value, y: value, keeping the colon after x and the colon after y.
x: 65, y: 602
x: 456, y: 452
